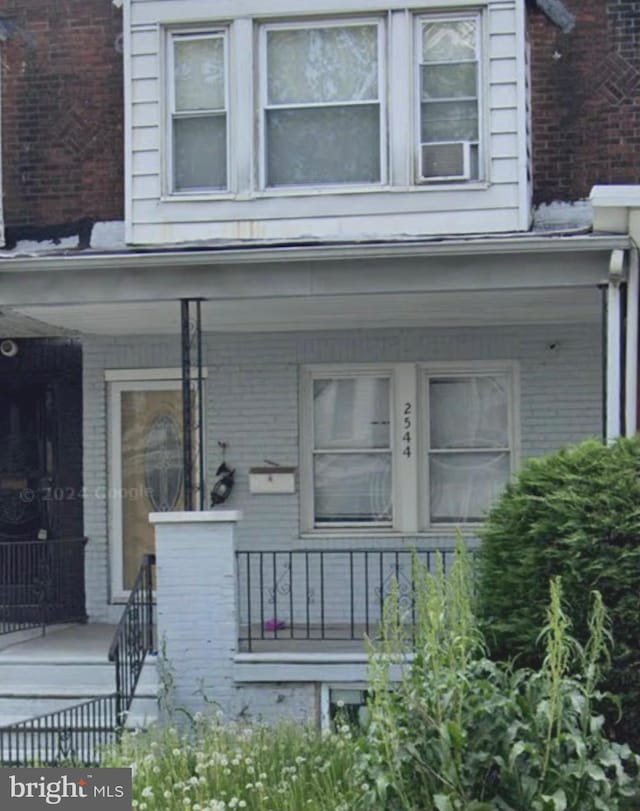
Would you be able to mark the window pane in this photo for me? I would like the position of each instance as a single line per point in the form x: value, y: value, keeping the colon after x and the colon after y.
x: 449, y: 41
x: 323, y: 64
x: 200, y: 153
x: 199, y: 74
x: 323, y: 145
x: 469, y: 412
x: 449, y: 121
x: 449, y: 81
x: 351, y: 413
x: 464, y: 485
x: 352, y: 487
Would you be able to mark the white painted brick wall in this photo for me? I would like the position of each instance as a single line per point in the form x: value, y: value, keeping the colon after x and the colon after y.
x: 197, y: 624
x: 252, y: 404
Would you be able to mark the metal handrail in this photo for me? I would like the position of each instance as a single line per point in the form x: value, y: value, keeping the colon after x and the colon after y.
x: 133, y: 638
x: 75, y: 734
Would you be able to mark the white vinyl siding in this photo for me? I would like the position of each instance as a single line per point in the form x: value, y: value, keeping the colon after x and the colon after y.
x: 395, y: 204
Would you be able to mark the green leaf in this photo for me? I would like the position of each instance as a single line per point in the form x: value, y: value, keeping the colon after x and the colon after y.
x: 443, y: 803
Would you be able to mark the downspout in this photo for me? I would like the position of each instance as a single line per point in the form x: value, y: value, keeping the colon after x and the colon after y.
x: 631, y: 370
x: 614, y: 355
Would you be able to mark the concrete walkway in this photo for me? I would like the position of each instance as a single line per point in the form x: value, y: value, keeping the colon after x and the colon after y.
x: 87, y: 644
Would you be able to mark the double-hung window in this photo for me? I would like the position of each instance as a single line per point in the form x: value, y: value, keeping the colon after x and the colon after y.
x: 410, y: 447
x: 467, y: 425
x: 351, y: 455
x: 449, y: 115
x: 322, y: 103
x: 199, y: 120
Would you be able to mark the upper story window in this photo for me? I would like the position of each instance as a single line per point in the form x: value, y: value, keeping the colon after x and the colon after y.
x: 198, y: 102
x: 321, y: 96
x: 310, y: 109
x: 449, y: 98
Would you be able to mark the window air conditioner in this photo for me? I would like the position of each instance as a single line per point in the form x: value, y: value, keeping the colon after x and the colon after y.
x: 446, y: 160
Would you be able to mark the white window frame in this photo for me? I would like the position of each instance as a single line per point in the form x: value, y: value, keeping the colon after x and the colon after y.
x: 173, y: 35
x: 481, y: 92
x: 427, y: 371
x: 409, y: 441
x: 263, y: 105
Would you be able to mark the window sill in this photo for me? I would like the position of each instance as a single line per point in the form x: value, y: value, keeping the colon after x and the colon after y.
x: 466, y: 530
x: 311, y: 192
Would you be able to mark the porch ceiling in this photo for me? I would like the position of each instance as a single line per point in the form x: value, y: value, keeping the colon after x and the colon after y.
x: 285, y: 313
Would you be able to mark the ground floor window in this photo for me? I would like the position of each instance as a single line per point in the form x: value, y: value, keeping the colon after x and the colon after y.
x: 347, y: 702
x: 407, y: 447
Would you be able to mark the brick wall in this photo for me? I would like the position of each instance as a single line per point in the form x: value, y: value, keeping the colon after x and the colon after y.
x: 252, y: 404
x: 62, y: 111
x: 585, y: 98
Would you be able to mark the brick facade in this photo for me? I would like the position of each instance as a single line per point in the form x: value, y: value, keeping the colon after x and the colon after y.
x: 62, y: 112
x: 585, y: 99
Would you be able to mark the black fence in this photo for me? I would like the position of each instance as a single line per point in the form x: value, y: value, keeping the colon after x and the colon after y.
x: 324, y: 595
x: 41, y: 582
x: 76, y: 735
x: 134, y: 636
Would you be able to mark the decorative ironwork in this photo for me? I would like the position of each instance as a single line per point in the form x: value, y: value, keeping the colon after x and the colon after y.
x: 162, y: 463
x: 328, y: 594
x: 73, y: 736
x: 401, y: 576
x: 41, y: 582
x: 134, y: 637
x: 282, y: 586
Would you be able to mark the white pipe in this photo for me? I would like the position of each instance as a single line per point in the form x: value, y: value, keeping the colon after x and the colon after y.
x: 631, y: 370
x: 614, y: 377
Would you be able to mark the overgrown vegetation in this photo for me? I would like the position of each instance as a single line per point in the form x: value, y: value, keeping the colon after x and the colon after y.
x: 215, y: 766
x: 574, y: 514
x: 458, y: 732
x: 463, y: 733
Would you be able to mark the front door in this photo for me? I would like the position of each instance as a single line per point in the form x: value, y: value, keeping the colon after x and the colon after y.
x: 146, y: 467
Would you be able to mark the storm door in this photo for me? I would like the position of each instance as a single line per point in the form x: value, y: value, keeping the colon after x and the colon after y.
x: 146, y: 469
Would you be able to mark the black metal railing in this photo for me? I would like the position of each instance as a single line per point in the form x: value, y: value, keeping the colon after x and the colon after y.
x: 326, y: 595
x: 41, y: 582
x: 75, y: 735
x: 134, y: 637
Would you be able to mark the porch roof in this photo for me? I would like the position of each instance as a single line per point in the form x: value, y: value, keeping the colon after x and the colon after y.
x: 510, y: 279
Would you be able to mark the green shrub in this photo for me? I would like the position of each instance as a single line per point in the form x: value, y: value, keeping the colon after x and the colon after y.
x: 463, y: 733
x: 576, y: 514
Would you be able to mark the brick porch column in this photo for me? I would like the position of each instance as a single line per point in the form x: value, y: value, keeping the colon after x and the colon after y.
x: 196, y: 596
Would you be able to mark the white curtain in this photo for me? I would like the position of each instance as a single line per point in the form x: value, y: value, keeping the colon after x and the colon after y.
x: 338, y: 139
x: 469, y: 458
x: 352, y: 414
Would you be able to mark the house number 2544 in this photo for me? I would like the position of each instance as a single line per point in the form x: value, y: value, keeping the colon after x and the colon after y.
x: 407, y: 426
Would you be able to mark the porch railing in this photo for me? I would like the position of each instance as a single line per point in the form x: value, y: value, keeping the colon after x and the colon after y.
x: 75, y: 735
x: 134, y: 637
x: 41, y: 582
x: 326, y: 595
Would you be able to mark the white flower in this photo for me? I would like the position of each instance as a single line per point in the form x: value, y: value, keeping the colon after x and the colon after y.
x: 147, y: 791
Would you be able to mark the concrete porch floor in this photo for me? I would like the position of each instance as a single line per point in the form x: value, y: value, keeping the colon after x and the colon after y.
x: 79, y: 643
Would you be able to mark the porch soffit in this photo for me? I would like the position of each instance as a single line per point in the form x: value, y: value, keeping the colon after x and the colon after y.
x: 418, y: 309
